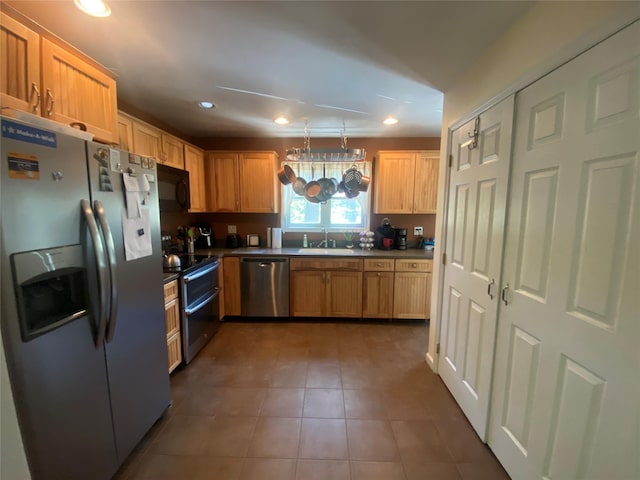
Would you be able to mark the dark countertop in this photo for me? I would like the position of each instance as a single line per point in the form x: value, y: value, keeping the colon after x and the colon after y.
x: 319, y: 252
x: 170, y: 276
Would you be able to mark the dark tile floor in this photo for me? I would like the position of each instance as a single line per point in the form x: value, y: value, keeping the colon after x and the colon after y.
x: 307, y: 401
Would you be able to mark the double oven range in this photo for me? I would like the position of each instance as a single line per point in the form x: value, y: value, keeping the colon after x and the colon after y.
x: 199, y: 301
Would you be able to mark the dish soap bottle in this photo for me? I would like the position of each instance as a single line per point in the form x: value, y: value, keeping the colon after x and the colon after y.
x: 305, y: 241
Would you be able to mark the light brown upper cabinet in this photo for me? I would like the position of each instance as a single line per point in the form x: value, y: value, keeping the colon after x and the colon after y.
x: 43, y: 78
x: 125, y: 133
x: 147, y: 140
x: 406, y: 181
x: 194, y: 164
x: 172, y: 151
x: 242, y: 182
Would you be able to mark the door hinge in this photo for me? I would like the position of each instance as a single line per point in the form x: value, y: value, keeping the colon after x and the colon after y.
x: 437, y: 348
x: 444, y: 258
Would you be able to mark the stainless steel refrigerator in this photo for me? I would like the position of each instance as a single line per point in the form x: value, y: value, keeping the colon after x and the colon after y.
x: 83, y: 328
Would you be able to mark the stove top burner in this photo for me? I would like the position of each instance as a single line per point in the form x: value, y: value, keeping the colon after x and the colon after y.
x: 188, y: 262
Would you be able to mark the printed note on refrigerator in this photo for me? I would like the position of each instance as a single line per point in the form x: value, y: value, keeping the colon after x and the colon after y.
x: 137, y: 234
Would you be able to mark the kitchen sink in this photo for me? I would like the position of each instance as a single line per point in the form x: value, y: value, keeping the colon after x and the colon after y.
x: 327, y: 251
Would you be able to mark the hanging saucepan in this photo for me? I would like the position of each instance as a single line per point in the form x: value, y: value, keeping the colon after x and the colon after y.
x: 286, y: 175
x: 351, y: 178
x: 298, y: 186
x: 330, y: 187
x: 364, y: 183
x: 312, y: 188
x: 351, y: 193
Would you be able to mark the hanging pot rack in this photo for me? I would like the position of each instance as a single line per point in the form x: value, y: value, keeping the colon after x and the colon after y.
x: 332, y: 155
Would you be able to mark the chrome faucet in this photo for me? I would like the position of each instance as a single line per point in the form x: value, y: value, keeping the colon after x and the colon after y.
x: 325, y: 242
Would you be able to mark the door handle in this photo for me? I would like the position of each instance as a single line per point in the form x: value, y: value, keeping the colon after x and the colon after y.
x: 490, y: 288
x: 50, y: 103
x: 504, y: 294
x: 103, y: 275
x: 35, y: 92
x: 182, y: 195
x: 111, y: 257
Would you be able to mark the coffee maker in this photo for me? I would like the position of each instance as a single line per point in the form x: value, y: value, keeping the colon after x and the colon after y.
x: 401, y: 238
x: 204, y: 236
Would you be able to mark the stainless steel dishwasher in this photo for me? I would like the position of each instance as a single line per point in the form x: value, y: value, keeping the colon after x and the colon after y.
x: 265, y: 286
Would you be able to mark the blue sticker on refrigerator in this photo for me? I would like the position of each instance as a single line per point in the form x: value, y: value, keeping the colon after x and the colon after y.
x: 29, y: 134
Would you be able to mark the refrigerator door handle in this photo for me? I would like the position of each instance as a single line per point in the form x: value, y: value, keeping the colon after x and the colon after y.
x: 111, y: 257
x: 103, y: 275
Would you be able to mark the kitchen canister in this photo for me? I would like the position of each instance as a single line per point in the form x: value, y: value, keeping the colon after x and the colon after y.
x: 276, y: 238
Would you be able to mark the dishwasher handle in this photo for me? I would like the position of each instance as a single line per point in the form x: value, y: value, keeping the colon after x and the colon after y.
x: 264, y: 262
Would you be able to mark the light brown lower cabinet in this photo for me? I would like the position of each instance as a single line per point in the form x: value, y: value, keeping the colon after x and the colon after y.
x: 172, y: 322
x: 231, y: 280
x: 412, y: 289
x: 377, y: 294
x: 325, y: 287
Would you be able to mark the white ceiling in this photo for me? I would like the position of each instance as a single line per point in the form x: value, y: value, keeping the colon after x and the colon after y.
x: 326, y: 63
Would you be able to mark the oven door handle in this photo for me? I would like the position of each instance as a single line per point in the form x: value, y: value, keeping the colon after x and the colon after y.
x: 190, y: 277
x: 204, y: 303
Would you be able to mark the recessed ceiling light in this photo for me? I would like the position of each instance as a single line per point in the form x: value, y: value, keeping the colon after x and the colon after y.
x: 390, y: 121
x: 95, y: 8
x: 206, y: 105
x: 282, y: 121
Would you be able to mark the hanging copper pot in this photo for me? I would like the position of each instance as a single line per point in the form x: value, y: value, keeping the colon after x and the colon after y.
x: 286, y: 175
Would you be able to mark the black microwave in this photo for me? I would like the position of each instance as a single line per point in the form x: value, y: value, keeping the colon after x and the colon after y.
x: 173, y: 189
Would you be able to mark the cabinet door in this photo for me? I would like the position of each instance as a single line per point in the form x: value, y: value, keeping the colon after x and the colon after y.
x: 172, y: 151
x: 232, y: 299
x: 174, y: 351
x: 146, y: 140
x: 394, y: 182
x: 344, y: 294
x: 307, y: 292
x: 258, y: 188
x: 222, y: 182
x: 194, y: 164
x: 19, y: 66
x: 426, y: 182
x: 377, y: 298
x: 76, y: 92
x: 125, y: 133
x: 172, y: 317
x: 411, y: 294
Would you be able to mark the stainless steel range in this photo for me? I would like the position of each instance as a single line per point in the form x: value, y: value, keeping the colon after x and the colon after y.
x: 200, y: 313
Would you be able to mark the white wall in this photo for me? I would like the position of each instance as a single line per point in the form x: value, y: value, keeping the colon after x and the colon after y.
x: 548, y: 35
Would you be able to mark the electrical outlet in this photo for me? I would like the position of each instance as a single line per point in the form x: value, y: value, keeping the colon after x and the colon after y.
x: 417, y: 231
x: 231, y: 229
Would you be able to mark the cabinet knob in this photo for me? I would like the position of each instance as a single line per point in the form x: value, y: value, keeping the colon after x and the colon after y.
x: 378, y: 274
x: 378, y: 264
x: 414, y: 265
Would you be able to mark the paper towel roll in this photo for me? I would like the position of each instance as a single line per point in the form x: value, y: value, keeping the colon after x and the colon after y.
x: 276, y: 238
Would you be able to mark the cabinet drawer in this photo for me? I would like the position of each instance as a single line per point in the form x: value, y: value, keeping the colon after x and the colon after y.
x: 170, y: 291
x: 174, y: 349
x: 325, y: 264
x: 378, y: 265
x: 413, y: 265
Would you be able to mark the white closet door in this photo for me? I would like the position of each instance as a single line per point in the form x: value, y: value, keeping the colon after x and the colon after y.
x: 565, y: 402
x: 474, y: 239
